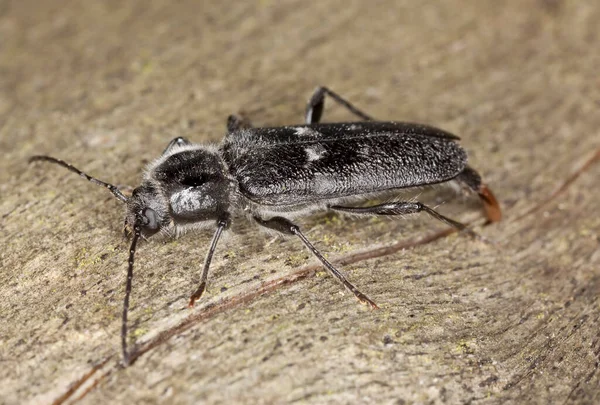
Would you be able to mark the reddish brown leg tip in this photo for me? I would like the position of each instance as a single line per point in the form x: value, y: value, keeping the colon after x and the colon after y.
x: 196, y: 296
x: 493, y: 211
x: 363, y: 299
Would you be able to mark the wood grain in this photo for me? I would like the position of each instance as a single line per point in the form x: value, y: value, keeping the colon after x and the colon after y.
x: 106, y: 85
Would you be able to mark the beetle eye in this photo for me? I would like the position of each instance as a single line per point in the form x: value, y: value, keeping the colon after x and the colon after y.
x: 149, y: 218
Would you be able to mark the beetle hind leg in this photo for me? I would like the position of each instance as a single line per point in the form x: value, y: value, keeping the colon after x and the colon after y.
x: 401, y: 208
x: 472, y: 181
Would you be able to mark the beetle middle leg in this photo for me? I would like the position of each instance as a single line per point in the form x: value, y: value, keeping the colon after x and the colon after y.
x: 287, y: 227
x: 314, y: 108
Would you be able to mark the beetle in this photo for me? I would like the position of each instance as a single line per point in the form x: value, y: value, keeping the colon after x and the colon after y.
x: 273, y: 175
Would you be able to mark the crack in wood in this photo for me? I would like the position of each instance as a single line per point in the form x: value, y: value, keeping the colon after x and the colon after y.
x: 74, y: 386
x: 564, y: 185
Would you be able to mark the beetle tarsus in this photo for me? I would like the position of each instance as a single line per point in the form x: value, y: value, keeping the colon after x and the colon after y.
x: 197, y: 294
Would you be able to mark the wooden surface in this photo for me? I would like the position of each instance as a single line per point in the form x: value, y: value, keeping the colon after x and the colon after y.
x: 106, y: 86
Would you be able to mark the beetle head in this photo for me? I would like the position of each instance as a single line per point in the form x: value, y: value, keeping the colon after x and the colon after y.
x: 147, y: 208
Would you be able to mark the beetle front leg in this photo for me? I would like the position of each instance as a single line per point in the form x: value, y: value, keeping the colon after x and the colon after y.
x: 235, y: 122
x: 179, y: 141
x: 316, y: 104
x: 222, y: 224
x: 285, y: 226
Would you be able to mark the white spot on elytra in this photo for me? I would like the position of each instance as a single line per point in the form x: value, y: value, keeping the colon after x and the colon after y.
x: 314, y: 153
x: 304, y: 131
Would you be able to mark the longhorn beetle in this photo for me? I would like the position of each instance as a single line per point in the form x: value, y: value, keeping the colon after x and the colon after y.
x: 272, y: 175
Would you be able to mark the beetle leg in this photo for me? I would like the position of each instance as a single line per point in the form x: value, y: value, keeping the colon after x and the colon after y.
x: 472, y: 180
x: 221, y: 225
x: 285, y: 226
x: 406, y: 208
x: 179, y: 141
x: 316, y: 103
x: 235, y: 122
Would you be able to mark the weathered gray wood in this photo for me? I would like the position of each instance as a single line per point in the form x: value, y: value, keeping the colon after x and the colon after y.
x: 106, y: 86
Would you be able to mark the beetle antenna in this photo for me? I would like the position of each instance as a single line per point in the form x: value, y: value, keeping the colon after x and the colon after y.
x: 137, y: 230
x: 113, y: 189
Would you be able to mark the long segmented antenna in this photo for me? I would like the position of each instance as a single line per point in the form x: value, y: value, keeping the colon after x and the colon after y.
x: 113, y: 189
x: 137, y: 230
